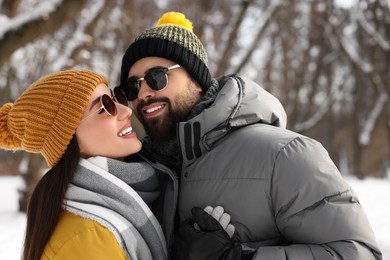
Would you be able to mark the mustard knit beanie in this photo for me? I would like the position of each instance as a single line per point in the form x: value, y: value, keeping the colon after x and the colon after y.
x: 45, y: 117
x: 173, y: 39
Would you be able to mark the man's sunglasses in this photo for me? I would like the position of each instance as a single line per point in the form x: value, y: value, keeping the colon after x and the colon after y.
x: 156, y: 78
x: 108, y: 103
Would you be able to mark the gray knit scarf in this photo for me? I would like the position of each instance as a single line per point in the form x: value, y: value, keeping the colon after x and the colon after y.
x: 114, y: 193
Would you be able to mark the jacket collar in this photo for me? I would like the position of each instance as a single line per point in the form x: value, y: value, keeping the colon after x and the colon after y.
x: 238, y: 103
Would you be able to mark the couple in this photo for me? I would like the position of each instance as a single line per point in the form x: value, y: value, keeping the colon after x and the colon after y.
x: 210, y: 142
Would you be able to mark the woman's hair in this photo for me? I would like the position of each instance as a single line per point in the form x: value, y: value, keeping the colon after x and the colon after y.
x: 46, y: 202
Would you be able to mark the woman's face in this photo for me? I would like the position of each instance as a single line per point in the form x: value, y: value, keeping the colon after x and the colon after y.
x: 104, y: 135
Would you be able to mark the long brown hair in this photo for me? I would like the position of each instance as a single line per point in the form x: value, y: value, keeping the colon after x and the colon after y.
x: 45, y: 205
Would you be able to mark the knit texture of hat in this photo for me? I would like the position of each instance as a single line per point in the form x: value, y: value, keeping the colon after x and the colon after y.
x: 45, y: 117
x: 173, y: 39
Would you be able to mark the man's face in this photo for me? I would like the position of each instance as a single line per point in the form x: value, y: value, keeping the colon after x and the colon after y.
x: 160, y: 110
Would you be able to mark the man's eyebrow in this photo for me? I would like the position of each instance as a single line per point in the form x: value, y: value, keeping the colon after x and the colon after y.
x: 94, y: 102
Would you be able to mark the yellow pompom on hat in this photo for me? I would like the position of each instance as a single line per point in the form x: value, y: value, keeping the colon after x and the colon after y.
x: 172, y: 38
x: 45, y: 117
x: 175, y: 18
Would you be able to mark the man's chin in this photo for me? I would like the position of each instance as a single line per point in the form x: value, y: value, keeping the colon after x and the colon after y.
x: 158, y: 130
x: 159, y: 136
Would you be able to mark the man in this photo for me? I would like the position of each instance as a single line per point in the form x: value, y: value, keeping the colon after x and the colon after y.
x: 226, y: 140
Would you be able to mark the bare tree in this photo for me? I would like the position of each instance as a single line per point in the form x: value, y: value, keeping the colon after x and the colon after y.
x: 43, y: 24
x: 329, y: 65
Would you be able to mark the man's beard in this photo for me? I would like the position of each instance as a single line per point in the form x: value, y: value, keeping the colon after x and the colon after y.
x: 163, y: 128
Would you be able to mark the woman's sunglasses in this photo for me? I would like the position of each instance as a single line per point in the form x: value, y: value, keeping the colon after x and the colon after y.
x: 156, y: 78
x: 108, y: 103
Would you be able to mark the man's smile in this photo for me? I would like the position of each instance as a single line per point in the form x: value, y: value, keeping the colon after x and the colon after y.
x: 153, y: 110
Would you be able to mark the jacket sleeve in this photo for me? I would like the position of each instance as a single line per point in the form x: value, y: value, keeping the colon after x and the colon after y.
x: 316, y: 211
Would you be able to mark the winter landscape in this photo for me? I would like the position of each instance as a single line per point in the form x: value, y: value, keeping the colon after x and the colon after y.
x: 374, y: 195
x: 326, y: 60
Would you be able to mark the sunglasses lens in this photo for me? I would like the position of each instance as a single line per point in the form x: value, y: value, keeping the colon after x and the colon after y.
x: 120, y: 96
x: 156, y: 78
x: 108, y: 104
x: 131, y: 90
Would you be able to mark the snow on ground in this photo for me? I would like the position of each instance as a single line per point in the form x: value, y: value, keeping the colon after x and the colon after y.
x: 374, y: 195
x: 12, y: 223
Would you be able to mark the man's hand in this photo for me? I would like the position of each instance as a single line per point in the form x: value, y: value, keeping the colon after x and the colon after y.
x: 210, y: 241
x: 222, y: 217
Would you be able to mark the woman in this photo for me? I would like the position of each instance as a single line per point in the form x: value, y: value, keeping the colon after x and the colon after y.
x: 87, y: 206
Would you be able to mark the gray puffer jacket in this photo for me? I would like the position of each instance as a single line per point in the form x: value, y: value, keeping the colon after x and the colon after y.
x: 286, y: 197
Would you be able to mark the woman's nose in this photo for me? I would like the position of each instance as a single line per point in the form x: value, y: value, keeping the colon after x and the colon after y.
x: 123, y: 111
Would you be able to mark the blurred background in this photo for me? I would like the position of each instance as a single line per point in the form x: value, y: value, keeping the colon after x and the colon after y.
x: 327, y: 61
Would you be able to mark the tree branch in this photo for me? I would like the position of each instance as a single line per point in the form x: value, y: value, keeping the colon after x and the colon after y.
x: 223, y: 63
x: 34, y: 29
x: 269, y: 15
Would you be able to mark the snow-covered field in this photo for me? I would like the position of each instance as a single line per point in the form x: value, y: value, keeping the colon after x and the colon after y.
x: 12, y: 223
x: 374, y: 195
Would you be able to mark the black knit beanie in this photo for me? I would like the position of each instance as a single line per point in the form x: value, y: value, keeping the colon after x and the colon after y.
x: 172, y: 38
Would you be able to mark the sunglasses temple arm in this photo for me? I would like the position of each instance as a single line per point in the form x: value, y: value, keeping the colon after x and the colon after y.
x: 96, y: 111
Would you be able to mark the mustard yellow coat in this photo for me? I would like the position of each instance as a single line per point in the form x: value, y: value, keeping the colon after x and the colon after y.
x: 79, y: 238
